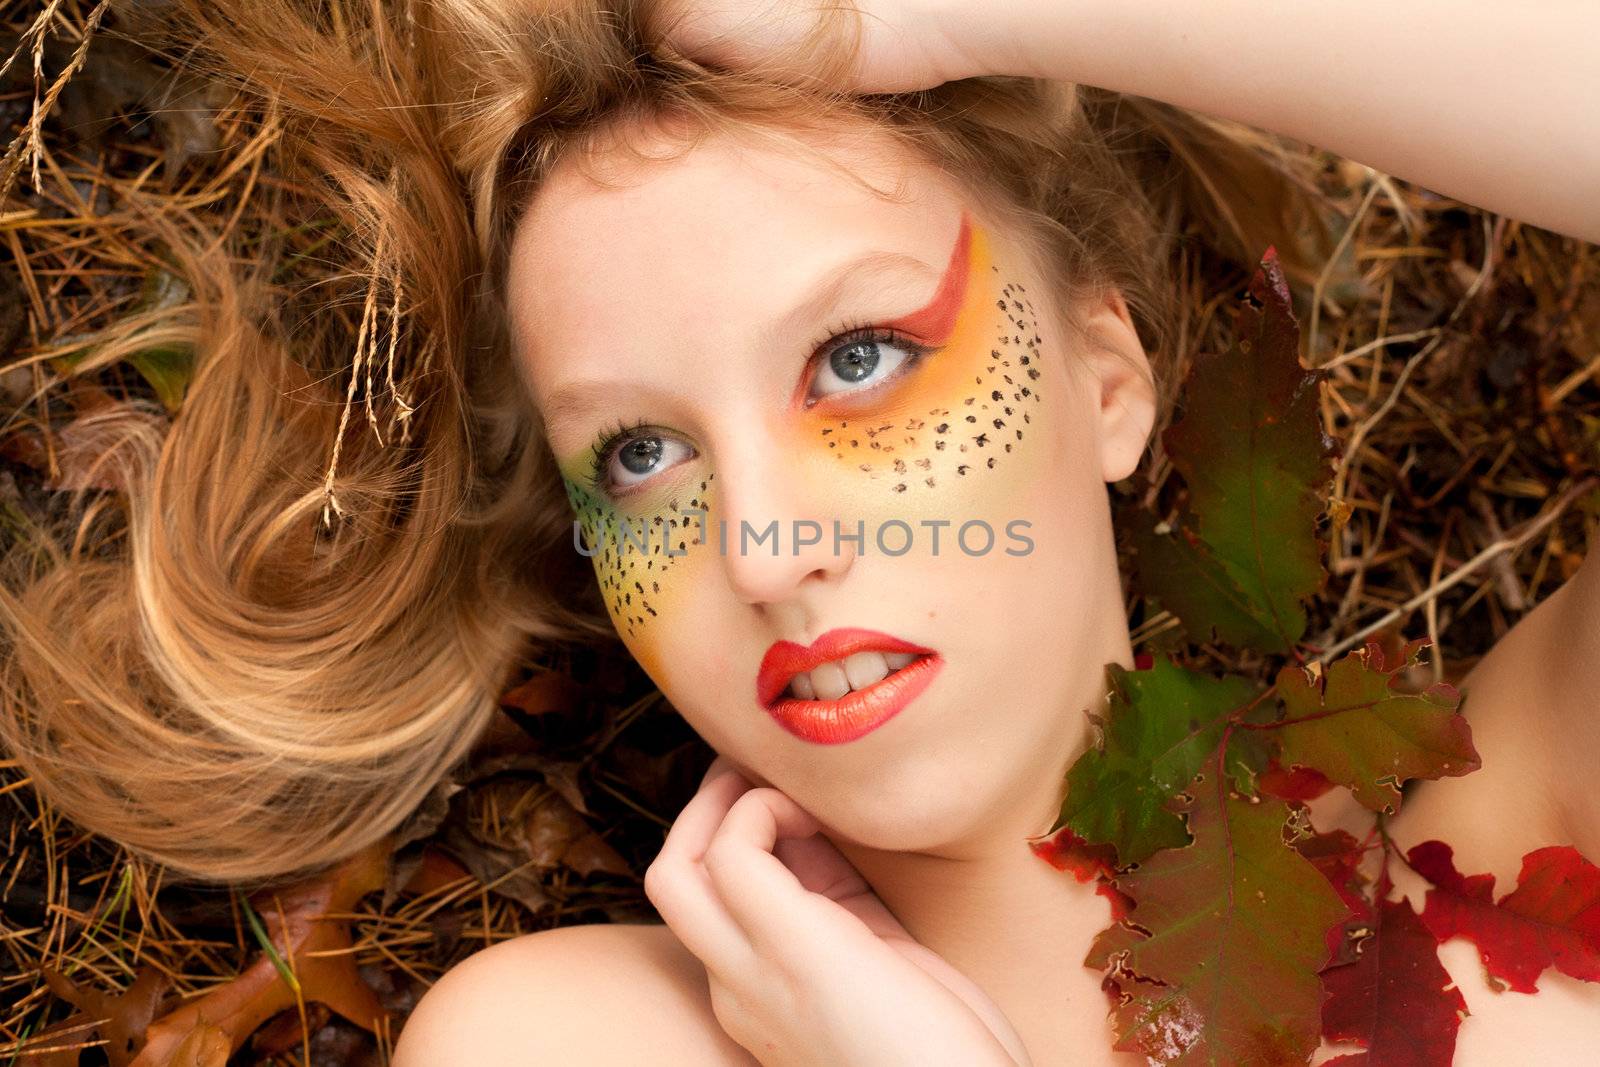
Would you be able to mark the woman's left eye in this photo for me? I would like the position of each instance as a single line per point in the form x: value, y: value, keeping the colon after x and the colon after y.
x: 857, y: 364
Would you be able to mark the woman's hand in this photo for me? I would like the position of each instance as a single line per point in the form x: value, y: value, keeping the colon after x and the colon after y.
x: 905, y: 44
x: 807, y: 967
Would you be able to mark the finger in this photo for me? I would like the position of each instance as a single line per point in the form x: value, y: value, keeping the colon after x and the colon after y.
x: 719, y: 766
x: 820, y: 866
x: 762, y: 895
x: 822, y: 869
x: 682, y: 891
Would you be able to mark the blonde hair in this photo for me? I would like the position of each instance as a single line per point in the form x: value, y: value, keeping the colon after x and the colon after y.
x: 305, y: 630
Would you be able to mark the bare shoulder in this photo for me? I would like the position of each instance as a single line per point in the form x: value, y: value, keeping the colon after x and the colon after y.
x: 1533, y: 694
x: 596, y: 994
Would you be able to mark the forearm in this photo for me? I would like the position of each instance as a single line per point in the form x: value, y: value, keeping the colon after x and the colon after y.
x: 1493, y: 104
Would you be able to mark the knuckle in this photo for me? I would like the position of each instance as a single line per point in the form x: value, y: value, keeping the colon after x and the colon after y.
x: 719, y: 856
x: 658, y: 880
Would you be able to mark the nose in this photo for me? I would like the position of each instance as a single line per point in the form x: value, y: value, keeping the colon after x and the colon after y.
x: 778, y: 542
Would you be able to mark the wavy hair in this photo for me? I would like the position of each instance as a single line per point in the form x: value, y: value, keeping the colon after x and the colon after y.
x: 303, y: 629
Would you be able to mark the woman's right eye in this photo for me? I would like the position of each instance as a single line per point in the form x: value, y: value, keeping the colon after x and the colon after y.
x: 639, y: 458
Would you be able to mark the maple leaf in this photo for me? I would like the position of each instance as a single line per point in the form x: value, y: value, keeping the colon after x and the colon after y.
x: 1161, y: 726
x: 1551, y: 919
x: 1244, y: 552
x: 1396, y: 999
x: 1355, y: 728
x: 1218, y: 962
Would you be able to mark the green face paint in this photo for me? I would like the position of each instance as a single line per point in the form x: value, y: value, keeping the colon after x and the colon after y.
x: 638, y: 554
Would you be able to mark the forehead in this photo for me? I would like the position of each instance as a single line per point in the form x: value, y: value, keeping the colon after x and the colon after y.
x: 712, y: 244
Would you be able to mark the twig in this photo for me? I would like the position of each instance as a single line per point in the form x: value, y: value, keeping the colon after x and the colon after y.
x: 1509, y: 544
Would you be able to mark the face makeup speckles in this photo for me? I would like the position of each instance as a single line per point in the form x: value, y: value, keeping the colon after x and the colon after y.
x: 639, y: 559
x: 969, y: 404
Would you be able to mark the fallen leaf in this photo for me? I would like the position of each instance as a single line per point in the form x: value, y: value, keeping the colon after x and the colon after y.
x: 318, y: 950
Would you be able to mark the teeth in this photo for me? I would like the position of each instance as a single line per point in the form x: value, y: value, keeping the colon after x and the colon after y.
x: 832, y: 680
x: 829, y: 681
x: 864, y: 668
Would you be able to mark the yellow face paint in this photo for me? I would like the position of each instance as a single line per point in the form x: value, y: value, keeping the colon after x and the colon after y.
x: 934, y: 440
x: 639, y: 559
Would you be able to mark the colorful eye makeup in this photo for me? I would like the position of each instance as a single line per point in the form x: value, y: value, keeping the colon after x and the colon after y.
x: 911, y: 408
x: 968, y: 406
x: 637, y: 559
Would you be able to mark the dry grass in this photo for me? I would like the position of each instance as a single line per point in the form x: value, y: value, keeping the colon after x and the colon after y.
x: 1463, y: 353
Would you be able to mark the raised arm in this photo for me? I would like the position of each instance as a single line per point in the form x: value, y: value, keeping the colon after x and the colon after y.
x: 1491, y: 103
x: 1494, y: 104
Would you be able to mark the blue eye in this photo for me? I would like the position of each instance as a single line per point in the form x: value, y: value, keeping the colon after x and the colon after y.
x: 638, y: 458
x: 860, y: 361
x: 627, y: 456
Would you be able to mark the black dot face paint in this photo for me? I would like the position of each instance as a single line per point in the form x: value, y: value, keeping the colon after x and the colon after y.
x: 963, y: 410
x: 642, y: 554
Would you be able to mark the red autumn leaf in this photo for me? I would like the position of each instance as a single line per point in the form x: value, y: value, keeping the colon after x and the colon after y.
x: 1396, y: 999
x: 1551, y: 919
x: 1292, y: 783
x: 1356, y: 728
x: 1066, y: 851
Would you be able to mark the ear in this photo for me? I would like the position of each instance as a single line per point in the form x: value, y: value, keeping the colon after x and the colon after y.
x: 1122, y: 382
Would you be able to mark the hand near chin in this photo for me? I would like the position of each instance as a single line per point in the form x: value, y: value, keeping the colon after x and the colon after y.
x: 806, y: 966
x: 904, y: 44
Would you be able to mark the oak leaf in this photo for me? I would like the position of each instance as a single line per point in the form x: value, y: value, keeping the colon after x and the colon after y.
x: 1396, y: 999
x: 1217, y: 964
x: 1551, y: 919
x: 1353, y: 726
x: 1244, y: 551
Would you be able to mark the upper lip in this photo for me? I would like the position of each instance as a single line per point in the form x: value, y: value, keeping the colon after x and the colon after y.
x: 785, y: 659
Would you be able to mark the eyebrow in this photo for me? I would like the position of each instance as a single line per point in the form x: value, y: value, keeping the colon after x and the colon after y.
x: 934, y: 321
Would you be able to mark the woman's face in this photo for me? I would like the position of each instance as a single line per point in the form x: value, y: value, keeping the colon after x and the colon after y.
x: 741, y: 350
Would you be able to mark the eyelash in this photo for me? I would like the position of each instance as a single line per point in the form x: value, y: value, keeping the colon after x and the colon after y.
x: 609, y: 440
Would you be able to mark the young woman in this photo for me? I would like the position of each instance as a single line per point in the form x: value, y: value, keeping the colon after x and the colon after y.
x: 915, y: 928
x: 713, y: 305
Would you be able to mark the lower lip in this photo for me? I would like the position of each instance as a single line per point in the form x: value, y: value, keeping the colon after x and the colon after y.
x: 832, y: 722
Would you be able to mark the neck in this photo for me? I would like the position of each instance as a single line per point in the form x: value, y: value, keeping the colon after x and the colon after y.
x: 1007, y: 919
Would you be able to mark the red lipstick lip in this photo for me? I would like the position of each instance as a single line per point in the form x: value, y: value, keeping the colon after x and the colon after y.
x: 785, y: 659
x: 858, y: 712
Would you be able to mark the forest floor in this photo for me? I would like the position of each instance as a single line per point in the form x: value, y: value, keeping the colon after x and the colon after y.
x: 1462, y: 352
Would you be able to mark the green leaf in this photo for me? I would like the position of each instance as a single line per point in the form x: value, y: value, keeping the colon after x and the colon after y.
x: 1219, y: 965
x: 167, y: 367
x: 1192, y: 583
x: 1161, y: 726
x: 1244, y: 552
x: 1354, y: 727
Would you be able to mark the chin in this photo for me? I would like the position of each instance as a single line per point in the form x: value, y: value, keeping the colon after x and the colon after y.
x: 916, y: 807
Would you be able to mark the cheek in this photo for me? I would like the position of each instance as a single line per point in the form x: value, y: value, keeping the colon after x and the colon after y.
x: 645, y: 557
